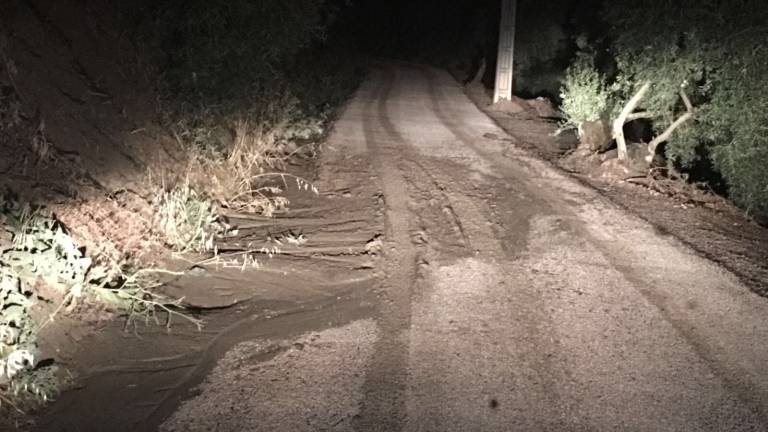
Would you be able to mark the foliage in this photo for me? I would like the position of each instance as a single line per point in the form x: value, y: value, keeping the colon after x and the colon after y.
x: 584, y: 93
x: 10, y: 104
x: 225, y: 62
x: 540, y: 42
x: 713, y: 53
x: 735, y: 124
x: 31, y: 247
x: 10, y: 107
x: 223, y: 49
x: 135, y: 295
x: 323, y: 75
x: 656, y: 47
x: 36, y: 249
x: 245, y: 84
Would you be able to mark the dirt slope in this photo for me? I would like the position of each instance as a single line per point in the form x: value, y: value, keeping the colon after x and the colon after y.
x: 87, y: 130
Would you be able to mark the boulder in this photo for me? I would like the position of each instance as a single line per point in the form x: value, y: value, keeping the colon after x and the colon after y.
x: 544, y: 107
x: 635, y: 165
x: 595, y: 136
x: 514, y: 106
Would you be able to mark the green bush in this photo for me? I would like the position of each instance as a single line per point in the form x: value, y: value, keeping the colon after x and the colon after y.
x: 715, y: 54
x: 227, y: 50
x: 584, y: 94
x: 242, y: 60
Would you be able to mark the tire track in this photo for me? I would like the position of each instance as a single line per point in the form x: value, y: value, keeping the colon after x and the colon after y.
x: 383, y: 405
x: 738, y: 375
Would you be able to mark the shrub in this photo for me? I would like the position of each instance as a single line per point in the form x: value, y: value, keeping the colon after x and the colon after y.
x: 584, y: 94
x: 701, y: 67
x: 224, y: 50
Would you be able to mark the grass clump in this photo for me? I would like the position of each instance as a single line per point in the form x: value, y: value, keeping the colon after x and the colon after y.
x: 186, y: 219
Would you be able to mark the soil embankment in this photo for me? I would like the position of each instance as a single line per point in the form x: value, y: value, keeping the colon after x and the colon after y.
x: 85, y: 131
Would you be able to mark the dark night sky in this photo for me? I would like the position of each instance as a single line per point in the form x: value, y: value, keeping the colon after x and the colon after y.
x: 405, y: 28
x: 402, y: 27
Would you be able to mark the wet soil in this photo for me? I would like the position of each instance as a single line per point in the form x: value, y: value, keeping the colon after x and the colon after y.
x: 715, y: 228
x: 131, y: 378
x: 451, y: 281
x: 510, y: 297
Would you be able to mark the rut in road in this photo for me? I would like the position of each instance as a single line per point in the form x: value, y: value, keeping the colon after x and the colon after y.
x: 512, y: 298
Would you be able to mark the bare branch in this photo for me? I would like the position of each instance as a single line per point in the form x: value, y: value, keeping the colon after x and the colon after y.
x: 686, y: 101
x: 639, y: 115
x: 668, y: 132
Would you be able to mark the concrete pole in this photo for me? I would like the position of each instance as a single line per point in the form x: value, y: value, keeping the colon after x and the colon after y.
x: 506, y: 58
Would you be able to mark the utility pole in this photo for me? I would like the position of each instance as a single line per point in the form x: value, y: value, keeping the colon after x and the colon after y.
x: 506, y: 58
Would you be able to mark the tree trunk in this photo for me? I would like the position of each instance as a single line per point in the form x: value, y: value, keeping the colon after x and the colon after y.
x: 478, y: 78
x: 625, y: 116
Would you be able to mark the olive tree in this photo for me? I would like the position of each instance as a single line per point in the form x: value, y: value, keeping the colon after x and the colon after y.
x: 697, y: 71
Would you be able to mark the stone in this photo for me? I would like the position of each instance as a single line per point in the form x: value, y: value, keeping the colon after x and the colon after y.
x: 544, y: 107
x: 595, y: 136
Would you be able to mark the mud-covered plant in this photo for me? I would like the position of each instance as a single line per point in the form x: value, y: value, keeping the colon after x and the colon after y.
x: 23, y: 235
x: 135, y: 294
x: 250, y: 177
x: 266, y: 198
x: 17, y: 330
x: 42, y: 248
x: 584, y: 93
x: 37, y: 385
x: 35, y: 249
x: 187, y: 220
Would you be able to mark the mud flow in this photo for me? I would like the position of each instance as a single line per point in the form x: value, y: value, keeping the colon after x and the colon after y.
x: 133, y: 377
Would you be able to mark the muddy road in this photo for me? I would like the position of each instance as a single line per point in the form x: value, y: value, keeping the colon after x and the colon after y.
x: 507, y: 297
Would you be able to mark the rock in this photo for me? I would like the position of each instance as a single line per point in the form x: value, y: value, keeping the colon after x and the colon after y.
x: 613, y: 168
x: 513, y: 106
x: 544, y: 107
x: 596, y: 135
x: 610, y: 154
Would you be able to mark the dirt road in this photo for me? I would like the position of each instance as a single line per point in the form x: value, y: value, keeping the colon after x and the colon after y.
x: 511, y: 299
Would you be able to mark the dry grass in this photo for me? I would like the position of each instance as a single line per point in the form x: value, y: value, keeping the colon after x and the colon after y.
x: 249, y: 176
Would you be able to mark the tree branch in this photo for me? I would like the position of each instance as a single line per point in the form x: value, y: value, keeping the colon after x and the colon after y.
x: 668, y: 132
x: 618, y: 124
x: 639, y: 115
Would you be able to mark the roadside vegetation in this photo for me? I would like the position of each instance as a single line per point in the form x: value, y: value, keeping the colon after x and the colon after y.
x: 693, y: 73
x: 246, y: 86
x: 243, y: 87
